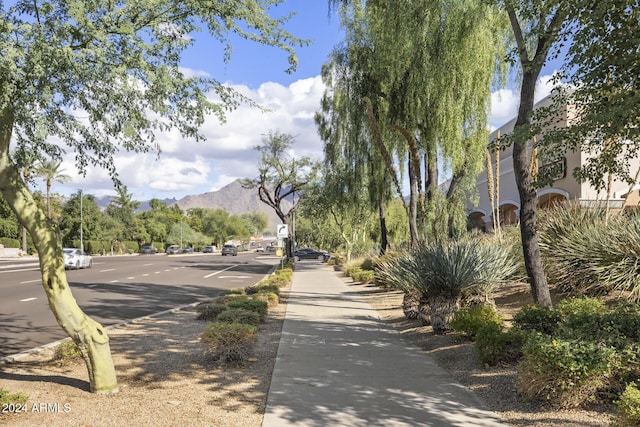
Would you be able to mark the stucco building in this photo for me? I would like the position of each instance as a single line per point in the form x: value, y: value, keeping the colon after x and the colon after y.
x: 565, y: 188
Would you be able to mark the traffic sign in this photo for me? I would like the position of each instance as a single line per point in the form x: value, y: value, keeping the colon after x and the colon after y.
x: 283, y: 230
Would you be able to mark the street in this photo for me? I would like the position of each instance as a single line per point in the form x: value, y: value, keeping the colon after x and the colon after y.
x: 117, y: 289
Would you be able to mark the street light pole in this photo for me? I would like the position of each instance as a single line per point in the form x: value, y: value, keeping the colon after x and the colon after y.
x: 81, y: 241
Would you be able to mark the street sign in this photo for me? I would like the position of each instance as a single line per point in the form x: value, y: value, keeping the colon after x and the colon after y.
x: 283, y: 230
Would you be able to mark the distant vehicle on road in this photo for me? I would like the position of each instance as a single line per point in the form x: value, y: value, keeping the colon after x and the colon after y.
x: 259, y: 249
x: 148, y: 250
x: 308, y: 253
x: 173, y: 249
x: 187, y: 250
x: 229, y: 250
x: 209, y: 249
x: 76, y: 259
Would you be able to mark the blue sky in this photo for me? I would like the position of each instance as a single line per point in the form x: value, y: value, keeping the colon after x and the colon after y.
x: 186, y: 167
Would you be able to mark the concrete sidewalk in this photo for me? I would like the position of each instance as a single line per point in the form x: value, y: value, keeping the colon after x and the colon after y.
x: 339, y: 364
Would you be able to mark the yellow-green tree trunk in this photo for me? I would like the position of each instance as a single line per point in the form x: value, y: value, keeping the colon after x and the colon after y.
x: 89, y: 335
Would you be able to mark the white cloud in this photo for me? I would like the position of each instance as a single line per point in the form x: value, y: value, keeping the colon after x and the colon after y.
x: 187, y: 167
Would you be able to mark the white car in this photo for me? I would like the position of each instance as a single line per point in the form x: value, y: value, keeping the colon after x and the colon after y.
x: 76, y: 258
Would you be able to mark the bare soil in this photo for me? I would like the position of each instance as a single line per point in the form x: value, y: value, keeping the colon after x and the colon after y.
x: 166, y: 377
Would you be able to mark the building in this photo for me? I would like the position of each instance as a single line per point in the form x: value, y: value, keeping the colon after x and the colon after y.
x: 565, y: 188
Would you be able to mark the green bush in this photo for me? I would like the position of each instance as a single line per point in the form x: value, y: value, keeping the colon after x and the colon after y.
x: 272, y: 299
x: 628, y: 407
x: 230, y: 342
x: 565, y: 373
x: 363, y: 276
x: 537, y: 318
x: 67, y: 353
x: 237, y: 291
x: 209, y: 311
x: 580, y: 306
x: 468, y: 321
x: 239, y: 315
x: 263, y: 287
x: 226, y: 299
x: 495, y: 346
x: 260, y: 307
x: 7, y: 399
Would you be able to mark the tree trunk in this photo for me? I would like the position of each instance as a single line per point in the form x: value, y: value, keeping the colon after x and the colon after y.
x: 443, y: 310
x: 413, y: 208
x: 89, y: 335
x: 383, y: 230
x: 528, y: 198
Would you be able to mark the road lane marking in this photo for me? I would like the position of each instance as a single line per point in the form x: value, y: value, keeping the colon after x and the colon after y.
x: 31, y: 281
x: 28, y: 299
x: 113, y: 281
x: 234, y: 277
x: 130, y: 278
x: 17, y: 271
x: 218, y: 272
x: 145, y: 274
x: 109, y: 269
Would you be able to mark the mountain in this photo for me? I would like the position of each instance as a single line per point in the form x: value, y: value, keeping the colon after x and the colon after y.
x: 236, y: 200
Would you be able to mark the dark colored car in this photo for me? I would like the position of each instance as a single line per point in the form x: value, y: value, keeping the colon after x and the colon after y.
x: 187, y: 250
x: 148, y: 250
x: 229, y: 250
x: 173, y: 249
x: 209, y: 249
x: 308, y: 253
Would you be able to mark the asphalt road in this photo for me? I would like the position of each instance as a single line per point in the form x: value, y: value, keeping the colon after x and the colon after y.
x: 117, y: 289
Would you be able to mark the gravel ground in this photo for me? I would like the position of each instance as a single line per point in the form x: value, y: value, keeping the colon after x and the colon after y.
x: 167, y: 379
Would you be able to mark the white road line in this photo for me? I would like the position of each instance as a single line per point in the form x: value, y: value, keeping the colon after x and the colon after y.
x: 17, y: 271
x: 109, y: 269
x: 113, y: 281
x: 92, y: 286
x: 218, y: 272
x: 145, y: 274
x: 27, y: 299
x: 130, y: 278
x: 31, y: 281
x: 147, y: 265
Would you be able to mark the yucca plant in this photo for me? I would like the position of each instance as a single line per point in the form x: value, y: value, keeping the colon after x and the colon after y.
x: 588, y: 254
x: 455, y: 267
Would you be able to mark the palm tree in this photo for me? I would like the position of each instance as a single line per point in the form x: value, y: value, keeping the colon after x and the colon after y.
x: 50, y: 171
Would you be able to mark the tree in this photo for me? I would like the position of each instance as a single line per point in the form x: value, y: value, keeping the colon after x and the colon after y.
x: 602, y: 68
x: 282, y: 178
x: 97, y: 77
x: 122, y: 208
x: 536, y: 26
x: 50, y: 171
x: 426, y: 70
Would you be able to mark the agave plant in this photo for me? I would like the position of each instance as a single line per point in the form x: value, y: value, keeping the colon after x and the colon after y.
x: 454, y: 267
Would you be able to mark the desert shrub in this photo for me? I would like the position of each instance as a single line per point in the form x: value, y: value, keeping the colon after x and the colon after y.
x: 260, y: 307
x: 494, y: 345
x: 210, y: 311
x: 580, y: 306
x: 468, y: 321
x: 564, y: 373
x: 9, y: 400
x: 363, y: 276
x: 615, y: 329
x: 272, y: 299
x: 225, y: 299
x: 237, y: 291
x: 67, y: 352
x: 367, y: 264
x: 589, y: 254
x: 537, y: 318
x: 263, y: 287
x: 239, y: 315
x: 230, y: 342
x: 628, y: 407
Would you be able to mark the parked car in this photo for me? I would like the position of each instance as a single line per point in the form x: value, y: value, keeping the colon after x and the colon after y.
x: 209, y: 249
x: 173, y: 249
x: 148, y: 250
x: 75, y: 258
x: 229, y: 250
x: 259, y: 249
x: 272, y: 248
x: 187, y: 250
x: 308, y: 253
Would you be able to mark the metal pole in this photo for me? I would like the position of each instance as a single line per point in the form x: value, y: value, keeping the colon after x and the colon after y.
x: 81, y: 241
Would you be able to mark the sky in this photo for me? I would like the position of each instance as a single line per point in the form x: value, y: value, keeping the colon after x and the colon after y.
x: 186, y: 167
